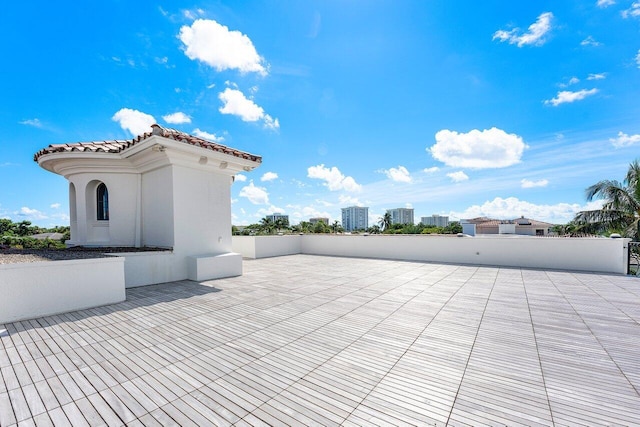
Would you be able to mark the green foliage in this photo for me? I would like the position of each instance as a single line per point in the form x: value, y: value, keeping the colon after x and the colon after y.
x: 17, y: 235
x: 452, y: 228
x: 620, y: 211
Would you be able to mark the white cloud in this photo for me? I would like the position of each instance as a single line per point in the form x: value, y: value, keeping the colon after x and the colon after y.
x: 458, y: 176
x: 269, y: 176
x: 217, y: 46
x: 324, y: 203
x: 536, y: 35
x: 590, y: 41
x: 400, y: 174
x: 566, y: 96
x: 334, y: 179
x: 526, y: 183
x: 240, y: 178
x: 36, y: 123
x: 638, y: 58
x: 134, y: 121
x: 177, y: 118
x: 512, y: 207
x: 235, y: 103
x: 256, y: 195
x: 62, y: 217
x: 348, y: 200
x: 572, y: 81
x: 624, y: 140
x: 433, y: 169
x: 262, y: 212
x: 605, y: 3
x: 55, y: 206
x: 633, y: 11
x: 306, y: 212
x: 492, y: 148
x: 31, y: 213
x: 597, y: 76
x: 208, y: 136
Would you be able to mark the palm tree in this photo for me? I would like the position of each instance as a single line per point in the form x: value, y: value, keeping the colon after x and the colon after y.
x: 267, y: 225
x: 385, y: 221
x: 621, y: 209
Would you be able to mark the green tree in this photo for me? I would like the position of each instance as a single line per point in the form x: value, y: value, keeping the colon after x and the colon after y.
x: 321, y: 227
x: 6, y: 226
x: 267, y: 225
x: 336, y: 227
x: 385, y: 221
x: 620, y: 211
x: 453, y: 228
x: 374, y: 229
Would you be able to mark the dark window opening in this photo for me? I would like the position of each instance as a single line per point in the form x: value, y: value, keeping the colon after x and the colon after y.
x: 103, y: 202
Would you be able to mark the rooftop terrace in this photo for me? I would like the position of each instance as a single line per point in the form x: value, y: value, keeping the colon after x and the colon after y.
x: 307, y: 339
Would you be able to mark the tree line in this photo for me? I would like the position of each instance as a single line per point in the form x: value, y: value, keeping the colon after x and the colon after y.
x: 267, y: 226
x: 19, y: 235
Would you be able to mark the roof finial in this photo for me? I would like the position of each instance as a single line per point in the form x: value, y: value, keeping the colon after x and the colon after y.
x: 156, y: 129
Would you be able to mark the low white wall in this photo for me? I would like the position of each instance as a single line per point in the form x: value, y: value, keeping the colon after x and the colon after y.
x: 267, y: 246
x: 582, y: 254
x: 30, y: 290
x: 148, y: 268
x: 209, y: 267
x: 244, y: 245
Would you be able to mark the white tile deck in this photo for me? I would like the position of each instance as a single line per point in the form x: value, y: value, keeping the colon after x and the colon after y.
x: 309, y: 340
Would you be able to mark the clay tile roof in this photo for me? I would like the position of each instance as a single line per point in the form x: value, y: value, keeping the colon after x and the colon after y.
x: 117, y: 146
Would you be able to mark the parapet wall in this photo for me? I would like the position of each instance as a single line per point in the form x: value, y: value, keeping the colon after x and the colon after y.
x: 578, y: 254
x: 29, y: 290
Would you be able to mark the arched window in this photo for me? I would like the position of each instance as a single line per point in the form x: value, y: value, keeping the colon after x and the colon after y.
x: 102, y: 204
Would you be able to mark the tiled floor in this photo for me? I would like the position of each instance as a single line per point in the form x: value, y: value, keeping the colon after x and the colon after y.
x: 304, y: 340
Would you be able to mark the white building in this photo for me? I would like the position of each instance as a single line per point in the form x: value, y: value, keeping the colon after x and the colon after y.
x: 276, y: 217
x: 435, y: 220
x: 162, y: 189
x: 355, y: 218
x: 519, y: 226
x: 401, y: 215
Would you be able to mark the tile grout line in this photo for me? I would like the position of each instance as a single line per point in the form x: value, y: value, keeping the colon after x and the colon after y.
x: 535, y: 340
x: 594, y: 335
x: 453, y: 404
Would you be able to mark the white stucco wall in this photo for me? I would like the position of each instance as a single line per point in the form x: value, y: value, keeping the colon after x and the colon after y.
x: 583, y: 254
x: 148, y: 268
x: 202, y: 211
x: 119, y: 230
x: 30, y: 290
x: 157, y: 208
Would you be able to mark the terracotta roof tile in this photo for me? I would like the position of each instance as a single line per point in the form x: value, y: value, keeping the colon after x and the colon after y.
x: 117, y: 146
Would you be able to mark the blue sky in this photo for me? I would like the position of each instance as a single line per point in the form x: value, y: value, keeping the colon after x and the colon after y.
x: 461, y: 108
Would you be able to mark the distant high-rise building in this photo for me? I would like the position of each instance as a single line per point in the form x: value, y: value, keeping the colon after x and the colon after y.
x: 276, y: 216
x: 314, y: 221
x: 401, y: 215
x: 355, y: 218
x: 435, y: 220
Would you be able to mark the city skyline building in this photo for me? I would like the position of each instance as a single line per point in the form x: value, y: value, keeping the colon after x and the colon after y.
x: 355, y: 218
x: 435, y: 220
x: 401, y: 215
x: 276, y: 216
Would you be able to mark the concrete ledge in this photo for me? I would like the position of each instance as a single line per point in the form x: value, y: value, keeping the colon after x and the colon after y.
x: 578, y: 254
x: 208, y: 267
x: 147, y: 268
x: 30, y: 290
